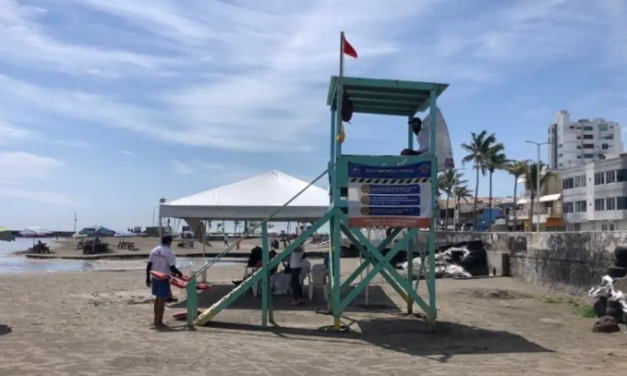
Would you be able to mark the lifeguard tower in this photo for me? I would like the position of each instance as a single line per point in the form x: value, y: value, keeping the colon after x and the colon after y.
x: 395, y: 192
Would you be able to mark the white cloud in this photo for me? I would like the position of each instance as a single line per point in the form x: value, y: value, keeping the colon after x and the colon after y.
x: 181, y: 168
x: 10, y: 134
x: 127, y: 153
x: 219, y: 173
x: 21, y: 165
x: 21, y: 25
x: 19, y: 169
x: 237, y: 76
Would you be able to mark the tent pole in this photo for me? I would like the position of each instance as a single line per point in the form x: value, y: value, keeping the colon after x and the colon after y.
x: 204, y: 256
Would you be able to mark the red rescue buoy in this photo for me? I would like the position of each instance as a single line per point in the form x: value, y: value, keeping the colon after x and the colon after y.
x: 159, y: 275
x: 177, y: 282
x: 182, y: 316
x: 202, y: 286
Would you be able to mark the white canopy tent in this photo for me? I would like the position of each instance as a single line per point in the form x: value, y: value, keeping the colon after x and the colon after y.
x: 253, y: 199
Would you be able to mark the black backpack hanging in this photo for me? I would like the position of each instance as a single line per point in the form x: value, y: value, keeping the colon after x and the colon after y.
x: 347, y: 108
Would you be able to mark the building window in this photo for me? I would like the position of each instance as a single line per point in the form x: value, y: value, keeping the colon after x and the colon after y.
x: 588, y: 146
x: 610, y: 203
x: 588, y: 155
x: 621, y: 175
x: 609, y: 137
x: 599, y: 178
x: 599, y: 204
x: 579, y: 137
x: 602, y: 127
x: 568, y: 207
x: 588, y: 137
x: 588, y: 128
x: 568, y: 183
x: 610, y: 177
x: 605, y: 146
x: 621, y: 203
x: 580, y: 206
x: 612, y: 227
x: 579, y: 181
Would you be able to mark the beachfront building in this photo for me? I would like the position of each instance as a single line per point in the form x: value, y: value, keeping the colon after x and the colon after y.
x: 575, y: 143
x: 547, y: 209
x: 595, y: 195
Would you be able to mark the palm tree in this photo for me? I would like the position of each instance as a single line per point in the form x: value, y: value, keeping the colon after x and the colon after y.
x: 461, y: 192
x: 494, y: 160
x: 446, y: 184
x: 517, y: 169
x: 531, y: 184
x: 478, y: 150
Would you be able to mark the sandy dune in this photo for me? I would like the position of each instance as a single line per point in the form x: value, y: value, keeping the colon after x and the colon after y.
x: 98, y: 323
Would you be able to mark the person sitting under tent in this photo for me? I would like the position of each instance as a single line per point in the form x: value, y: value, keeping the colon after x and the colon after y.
x: 255, y: 261
x: 422, y: 135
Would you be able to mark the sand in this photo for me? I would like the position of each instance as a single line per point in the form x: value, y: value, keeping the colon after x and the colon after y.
x: 98, y: 323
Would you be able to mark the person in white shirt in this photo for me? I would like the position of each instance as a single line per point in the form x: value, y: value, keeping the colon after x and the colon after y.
x: 422, y: 136
x: 296, y: 266
x: 162, y: 260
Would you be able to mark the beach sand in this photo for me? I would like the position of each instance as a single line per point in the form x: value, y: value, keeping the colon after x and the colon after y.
x: 98, y: 323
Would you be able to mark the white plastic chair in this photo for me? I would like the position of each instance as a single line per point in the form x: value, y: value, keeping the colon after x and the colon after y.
x: 317, y: 278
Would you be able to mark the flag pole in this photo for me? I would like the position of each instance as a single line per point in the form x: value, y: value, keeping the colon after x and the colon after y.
x: 340, y: 95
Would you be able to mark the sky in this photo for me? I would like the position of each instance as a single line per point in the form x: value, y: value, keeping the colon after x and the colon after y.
x: 109, y: 105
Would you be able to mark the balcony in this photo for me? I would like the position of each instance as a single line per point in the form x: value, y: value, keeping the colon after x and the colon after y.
x: 539, y: 214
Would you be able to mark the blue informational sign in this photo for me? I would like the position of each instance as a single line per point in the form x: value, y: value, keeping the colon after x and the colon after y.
x: 378, y: 189
x: 398, y: 200
x: 390, y: 196
x: 391, y: 211
x: 414, y: 171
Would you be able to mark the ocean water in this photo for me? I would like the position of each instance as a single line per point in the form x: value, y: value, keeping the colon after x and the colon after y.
x: 19, y: 264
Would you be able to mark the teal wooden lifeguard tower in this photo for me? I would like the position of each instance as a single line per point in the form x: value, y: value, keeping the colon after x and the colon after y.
x: 395, y: 192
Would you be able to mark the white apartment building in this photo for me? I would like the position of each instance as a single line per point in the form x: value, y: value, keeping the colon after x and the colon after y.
x: 574, y: 143
x: 594, y: 196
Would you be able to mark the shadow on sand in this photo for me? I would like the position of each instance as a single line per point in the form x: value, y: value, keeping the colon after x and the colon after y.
x: 378, y: 300
x: 392, y: 330
x: 5, y: 329
x: 408, y: 335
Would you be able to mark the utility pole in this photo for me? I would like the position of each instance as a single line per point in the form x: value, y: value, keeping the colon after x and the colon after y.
x: 538, y: 185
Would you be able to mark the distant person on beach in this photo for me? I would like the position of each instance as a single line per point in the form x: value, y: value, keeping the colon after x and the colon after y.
x: 226, y: 239
x: 161, y: 259
x: 296, y: 266
x: 422, y: 136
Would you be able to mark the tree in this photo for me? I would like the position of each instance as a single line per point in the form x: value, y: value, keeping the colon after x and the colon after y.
x: 494, y: 160
x: 461, y: 192
x: 478, y: 150
x: 446, y: 184
x: 531, y: 184
x: 517, y: 169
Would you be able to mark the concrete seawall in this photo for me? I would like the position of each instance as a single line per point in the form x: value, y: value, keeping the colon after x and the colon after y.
x: 569, y: 262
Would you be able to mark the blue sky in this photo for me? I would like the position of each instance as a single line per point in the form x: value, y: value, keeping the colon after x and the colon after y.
x: 108, y: 105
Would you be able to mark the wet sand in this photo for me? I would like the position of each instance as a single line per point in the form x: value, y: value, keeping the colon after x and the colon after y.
x: 98, y: 323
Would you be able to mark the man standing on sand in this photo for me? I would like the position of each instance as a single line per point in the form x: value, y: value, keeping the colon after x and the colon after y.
x: 161, y: 259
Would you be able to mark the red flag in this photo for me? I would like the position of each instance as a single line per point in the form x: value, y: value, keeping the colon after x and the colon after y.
x: 348, y: 49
